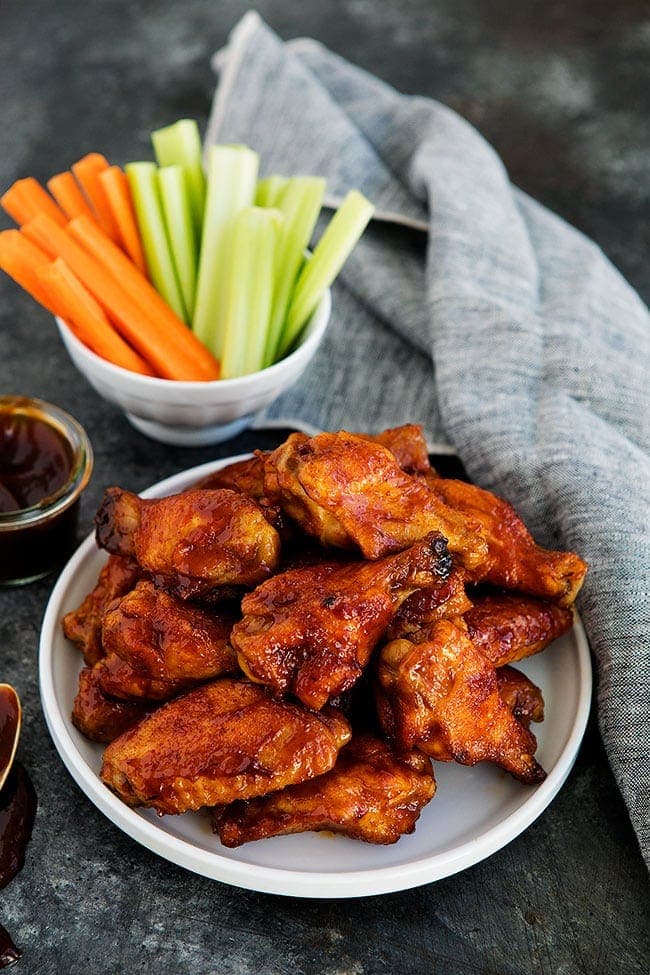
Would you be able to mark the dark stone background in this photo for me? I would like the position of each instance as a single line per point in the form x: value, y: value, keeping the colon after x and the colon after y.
x: 562, y: 90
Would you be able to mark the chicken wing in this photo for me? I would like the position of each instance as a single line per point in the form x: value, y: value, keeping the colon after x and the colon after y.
x: 442, y: 696
x: 246, y: 476
x: 514, y: 560
x: 195, y: 543
x: 406, y: 444
x: 156, y: 645
x: 84, y: 625
x: 311, y: 631
x: 97, y: 716
x: 371, y: 794
x: 508, y: 626
x: 522, y: 697
x: 445, y: 599
x: 347, y: 491
x: 222, y: 741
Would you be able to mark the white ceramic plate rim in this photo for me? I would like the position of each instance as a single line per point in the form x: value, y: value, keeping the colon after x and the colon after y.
x: 357, y: 883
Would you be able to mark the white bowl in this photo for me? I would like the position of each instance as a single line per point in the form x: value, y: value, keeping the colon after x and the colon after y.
x: 475, y: 812
x: 196, y: 413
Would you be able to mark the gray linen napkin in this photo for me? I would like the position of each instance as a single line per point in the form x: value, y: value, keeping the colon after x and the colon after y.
x: 504, y: 331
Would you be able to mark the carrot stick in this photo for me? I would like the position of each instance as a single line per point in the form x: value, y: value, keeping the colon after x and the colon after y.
x: 21, y: 259
x: 87, y: 171
x: 144, y: 330
x: 118, y: 193
x: 65, y: 190
x: 87, y: 319
x: 26, y: 198
x: 115, y: 262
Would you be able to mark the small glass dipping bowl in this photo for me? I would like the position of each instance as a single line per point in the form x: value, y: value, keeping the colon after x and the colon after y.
x: 36, y: 538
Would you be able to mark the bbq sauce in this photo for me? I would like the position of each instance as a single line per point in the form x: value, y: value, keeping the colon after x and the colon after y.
x: 45, y: 462
x: 17, y: 814
x: 35, y: 459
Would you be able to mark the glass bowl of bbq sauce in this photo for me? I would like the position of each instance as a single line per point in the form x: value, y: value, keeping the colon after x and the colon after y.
x: 45, y: 463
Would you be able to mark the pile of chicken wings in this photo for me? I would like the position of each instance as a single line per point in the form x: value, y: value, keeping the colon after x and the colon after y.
x: 291, y: 641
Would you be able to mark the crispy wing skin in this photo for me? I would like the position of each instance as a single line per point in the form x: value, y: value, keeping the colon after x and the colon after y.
x: 246, y: 476
x: 311, y: 631
x: 305, y: 552
x: 117, y: 679
x: 156, y: 645
x: 522, y: 697
x: 222, y: 741
x: 407, y: 444
x: 97, y: 716
x: 84, y: 625
x: 443, y: 697
x: 349, y: 492
x: 514, y: 559
x: 508, y: 626
x: 194, y: 543
x: 371, y: 794
x: 445, y: 599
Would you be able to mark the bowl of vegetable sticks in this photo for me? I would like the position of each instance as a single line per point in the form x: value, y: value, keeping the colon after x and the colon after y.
x: 190, y: 413
x: 189, y: 296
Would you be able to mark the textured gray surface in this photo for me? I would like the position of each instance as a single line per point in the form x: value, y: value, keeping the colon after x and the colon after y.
x: 561, y: 90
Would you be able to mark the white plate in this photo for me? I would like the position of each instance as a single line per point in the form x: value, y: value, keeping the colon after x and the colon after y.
x: 475, y: 812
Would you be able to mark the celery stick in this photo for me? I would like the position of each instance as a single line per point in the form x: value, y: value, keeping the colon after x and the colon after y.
x: 232, y: 177
x: 341, y: 234
x: 151, y: 223
x: 249, y: 289
x: 174, y: 195
x: 180, y: 145
x: 268, y: 190
x: 300, y: 202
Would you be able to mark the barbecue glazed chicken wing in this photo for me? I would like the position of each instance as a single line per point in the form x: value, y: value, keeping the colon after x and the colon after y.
x: 522, y: 697
x: 508, y: 626
x: 349, y: 492
x: 371, y: 794
x: 245, y: 476
x: 445, y: 599
x: 442, y: 697
x: 311, y: 631
x: 514, y: 560
x: 97, y: 716
x: 84, y: 625
x: 194, y: 544
x: 406, y: 444
x: 156, y: 645
x: 222, y: 741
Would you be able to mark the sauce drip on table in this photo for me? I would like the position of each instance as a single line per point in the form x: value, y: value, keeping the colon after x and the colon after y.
x: 17, y: 814
x: 9, y: 954
x: 17, y: 808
